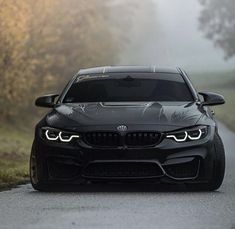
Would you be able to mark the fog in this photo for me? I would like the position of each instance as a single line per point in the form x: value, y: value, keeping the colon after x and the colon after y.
x: 169, y: 35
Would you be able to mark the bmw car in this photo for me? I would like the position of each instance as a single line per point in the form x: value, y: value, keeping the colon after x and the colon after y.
x: 128, y: 124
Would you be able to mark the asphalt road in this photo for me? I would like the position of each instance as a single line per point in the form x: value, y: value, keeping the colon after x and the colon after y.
x: 124, y: 206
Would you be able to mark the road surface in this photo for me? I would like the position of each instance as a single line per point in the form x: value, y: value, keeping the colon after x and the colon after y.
x: 124, y: 206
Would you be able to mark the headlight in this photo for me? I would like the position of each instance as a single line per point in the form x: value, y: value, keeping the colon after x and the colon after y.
x: 52, y: 134
x: 192, y: 134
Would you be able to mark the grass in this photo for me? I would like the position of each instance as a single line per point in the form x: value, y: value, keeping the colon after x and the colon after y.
x: 222, y: 83
x: 15, y: 147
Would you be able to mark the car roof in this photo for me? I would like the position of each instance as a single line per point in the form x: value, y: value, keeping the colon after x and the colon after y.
x: 127, y: 69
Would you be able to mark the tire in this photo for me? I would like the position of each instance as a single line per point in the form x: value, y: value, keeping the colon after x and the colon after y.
x: 37, y: 171
x: 218, y: 168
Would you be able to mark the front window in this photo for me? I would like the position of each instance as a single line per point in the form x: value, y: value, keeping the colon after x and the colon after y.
x: 133, y: 87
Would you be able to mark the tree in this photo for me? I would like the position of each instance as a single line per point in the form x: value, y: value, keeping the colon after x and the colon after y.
x: 217, y: 21
x: 43, y: 43
x: 15, y: 69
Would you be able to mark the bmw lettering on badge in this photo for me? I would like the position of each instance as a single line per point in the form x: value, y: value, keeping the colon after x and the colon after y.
x: 122, y: 128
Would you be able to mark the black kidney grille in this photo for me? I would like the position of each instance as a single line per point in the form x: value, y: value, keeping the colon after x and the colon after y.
x: 142, y: 138
x: 105, y: 139
x: 114, y: 139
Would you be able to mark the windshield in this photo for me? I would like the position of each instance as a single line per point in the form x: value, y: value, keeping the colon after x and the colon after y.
x: 128, y: 87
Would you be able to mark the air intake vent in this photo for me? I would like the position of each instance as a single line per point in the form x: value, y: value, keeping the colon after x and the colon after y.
x: 122, y: 170
x: 183, y: 170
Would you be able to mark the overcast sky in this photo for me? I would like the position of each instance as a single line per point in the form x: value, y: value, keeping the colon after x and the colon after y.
x: 172, y: 38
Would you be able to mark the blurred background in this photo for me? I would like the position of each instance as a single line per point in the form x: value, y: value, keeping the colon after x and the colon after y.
x: 44, y: 43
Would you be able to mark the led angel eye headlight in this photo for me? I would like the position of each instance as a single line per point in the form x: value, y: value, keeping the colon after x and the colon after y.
x: 195, y: 135
x: 57, y: 135
x: 51, y: 135
x: 66, y: 137
x: 179, y: 137
x: 189, y: 135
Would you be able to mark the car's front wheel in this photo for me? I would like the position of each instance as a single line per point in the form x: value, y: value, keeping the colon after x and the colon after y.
x: 218, y: 168
x: 37, y: 171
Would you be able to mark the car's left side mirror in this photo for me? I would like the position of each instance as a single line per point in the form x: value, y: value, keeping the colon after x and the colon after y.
x: 46, y: 100
x: 212, y: 99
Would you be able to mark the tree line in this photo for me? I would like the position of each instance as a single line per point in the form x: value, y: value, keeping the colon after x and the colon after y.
x: 43, y: 43
x: 217, y: 22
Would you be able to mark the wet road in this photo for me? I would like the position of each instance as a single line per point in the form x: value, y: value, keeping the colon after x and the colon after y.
x: 124, y: 206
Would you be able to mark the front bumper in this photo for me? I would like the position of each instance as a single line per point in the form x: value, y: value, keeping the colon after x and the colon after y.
x: 168, y: 161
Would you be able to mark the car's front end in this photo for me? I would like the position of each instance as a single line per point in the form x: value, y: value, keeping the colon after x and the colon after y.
x: 120, y: 152
x: 128, y: 125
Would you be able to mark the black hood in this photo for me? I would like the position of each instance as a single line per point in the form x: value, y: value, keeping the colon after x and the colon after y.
x: 171, y: 114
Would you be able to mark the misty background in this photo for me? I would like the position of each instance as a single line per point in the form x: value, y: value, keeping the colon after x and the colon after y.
x: 44, y: 43
x: 169, y: 35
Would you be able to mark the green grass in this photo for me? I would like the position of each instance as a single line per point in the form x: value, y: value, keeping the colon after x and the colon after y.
x: 14, y: 156
x: 223, y: 83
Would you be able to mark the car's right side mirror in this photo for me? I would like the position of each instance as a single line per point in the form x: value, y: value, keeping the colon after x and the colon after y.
x: 211, y: 99
x: 46, y: 100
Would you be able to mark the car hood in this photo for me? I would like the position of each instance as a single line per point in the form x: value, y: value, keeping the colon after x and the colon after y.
x: 175, y: 114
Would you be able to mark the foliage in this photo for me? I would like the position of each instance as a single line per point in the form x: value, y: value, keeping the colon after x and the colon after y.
x: 217, y: 21
x: 15, y: 67
x: 43, y: 43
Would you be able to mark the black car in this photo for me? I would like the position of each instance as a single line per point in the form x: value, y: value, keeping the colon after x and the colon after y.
x: 116, y: 124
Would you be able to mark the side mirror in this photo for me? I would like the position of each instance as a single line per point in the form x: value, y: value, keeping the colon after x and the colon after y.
x: 211, y: 99
x: 46, y: 100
